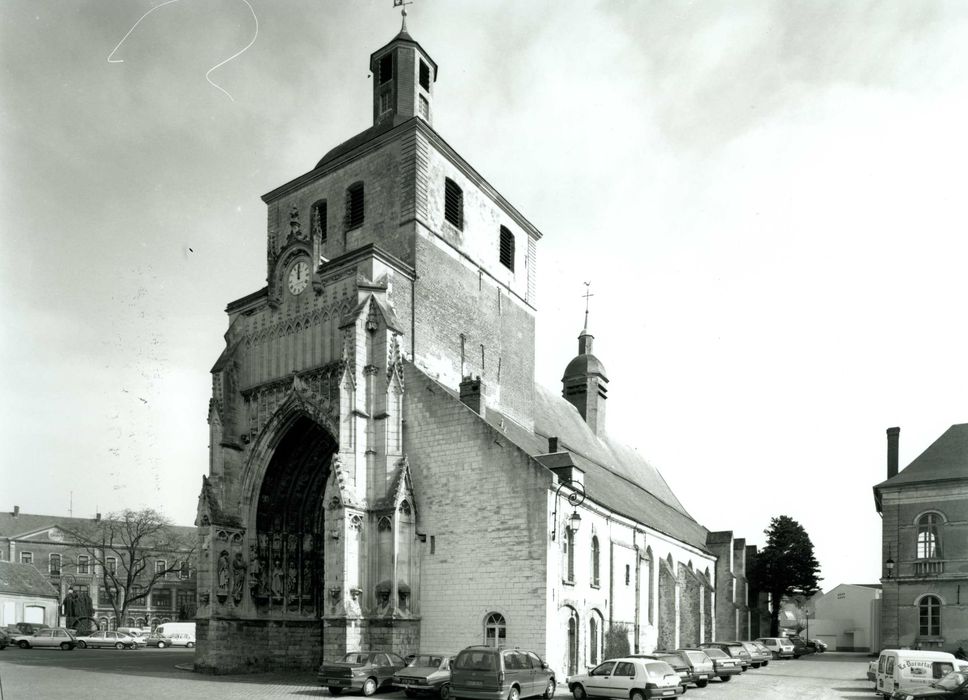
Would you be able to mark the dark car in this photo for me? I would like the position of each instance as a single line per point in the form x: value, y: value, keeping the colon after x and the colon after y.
x: 30, y: 627
x: 724, y: 665
x: 365, y: 671
x: 953, y: 685
x: 425, y: 673
x: 800, y: 647
x: 497, y: 673
x: 158, y: 640
x: 734, y: 649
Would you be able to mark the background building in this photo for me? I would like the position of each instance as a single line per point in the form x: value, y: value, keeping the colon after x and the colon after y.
x: 26, y: 596
x: 385, y: 472
x: 44, y: 542
x: 845, y: 617
x: 924, y: 512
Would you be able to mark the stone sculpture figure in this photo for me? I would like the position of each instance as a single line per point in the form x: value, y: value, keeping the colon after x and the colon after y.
x: 222, y: 574
x: 278, y: 577
x: 239, y: 569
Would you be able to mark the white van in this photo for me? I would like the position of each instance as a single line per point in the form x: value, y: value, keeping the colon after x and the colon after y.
x: 181, y: 634
x: 901, y: 669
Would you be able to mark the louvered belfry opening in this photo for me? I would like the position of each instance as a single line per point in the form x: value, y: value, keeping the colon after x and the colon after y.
x: 289, y: 523
x: 507, y: 248
x: 386, y: 68
x: 453, y: 203
x: 354, y: 205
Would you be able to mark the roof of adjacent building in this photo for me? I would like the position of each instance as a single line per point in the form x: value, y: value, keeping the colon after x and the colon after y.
x: 12, y: 526
x: 946, y: 458
x: 24, y: 579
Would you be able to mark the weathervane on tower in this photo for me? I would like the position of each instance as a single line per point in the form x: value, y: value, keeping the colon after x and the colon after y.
x: 588, y: 294
x: 402, y: 4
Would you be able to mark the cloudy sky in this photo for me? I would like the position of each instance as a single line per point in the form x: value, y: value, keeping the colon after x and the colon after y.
x: 768, y: 198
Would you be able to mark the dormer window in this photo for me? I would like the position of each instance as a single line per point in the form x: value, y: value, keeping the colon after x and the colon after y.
x: 354, y: 206
x: 424, y: 76
x: 507, y: 249
x: 453, y: 203
x: 386, y: 68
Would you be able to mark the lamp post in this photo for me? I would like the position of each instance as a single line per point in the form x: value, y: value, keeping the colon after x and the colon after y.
x: 575, y: 498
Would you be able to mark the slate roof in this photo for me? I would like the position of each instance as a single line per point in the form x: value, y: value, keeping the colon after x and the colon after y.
x: 946, y: 458
x: 15, y: 525
x: 616, y: 475
x: 24, y: 579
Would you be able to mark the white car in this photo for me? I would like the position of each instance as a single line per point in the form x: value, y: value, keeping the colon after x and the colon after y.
x: 106, y: 638
x: 51, y: 638
x: 627, y: 678
x: 780, y: 648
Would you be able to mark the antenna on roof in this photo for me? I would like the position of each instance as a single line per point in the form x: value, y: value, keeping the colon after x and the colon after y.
x: 402, y: 4
x: 70, y: 506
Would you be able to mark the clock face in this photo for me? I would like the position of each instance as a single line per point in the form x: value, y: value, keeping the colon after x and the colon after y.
x: 298, y: 277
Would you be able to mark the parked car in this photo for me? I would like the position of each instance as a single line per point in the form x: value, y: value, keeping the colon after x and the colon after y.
x: 734, y: 649
x: 4, y: 639
x: 426, y: 673
x: 51, y: 638
x: 678, y: 664
x: 800, y: 647
x: 158, y: 640
x: 135, y: 633
x: 910, y: 669
x: 496, y: 673
x: 703, y: 667
x: 107, y: 638
x: 724, y: 665
x: 632, y: 677
x: 818, y: 646
x: 759, y: 655
x: 780, y: 647
x: 366, y: 671
x: 953, y: 685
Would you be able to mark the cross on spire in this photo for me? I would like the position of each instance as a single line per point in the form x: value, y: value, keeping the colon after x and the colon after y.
x: 588, y: 294
x: 402, y: 4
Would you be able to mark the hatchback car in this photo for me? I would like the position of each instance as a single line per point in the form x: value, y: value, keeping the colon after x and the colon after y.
x: 702, y: 667
x: 50, y: 638
x: 632, y: 677
x: 724, y: 665
x: 425, y: 673
x: 679, y: 664
x: 158, y: 640
x: 780, y: 647
x: 759, y: 654
x: 365, y: 671
x: 734, y: 649
x: 496, y: 673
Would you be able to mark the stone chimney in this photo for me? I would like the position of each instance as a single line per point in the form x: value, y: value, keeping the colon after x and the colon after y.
x: 892, y: 439
x: 552, y: 445
x: 16, y: 511
x: 472, y: 394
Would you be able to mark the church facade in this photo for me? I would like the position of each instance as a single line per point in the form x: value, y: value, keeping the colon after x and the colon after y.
x: 384, y: 470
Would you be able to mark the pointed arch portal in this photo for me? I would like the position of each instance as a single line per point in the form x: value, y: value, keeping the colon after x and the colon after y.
x: 290, y: 521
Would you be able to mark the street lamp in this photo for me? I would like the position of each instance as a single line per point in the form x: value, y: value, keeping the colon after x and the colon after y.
x: 575, y: 498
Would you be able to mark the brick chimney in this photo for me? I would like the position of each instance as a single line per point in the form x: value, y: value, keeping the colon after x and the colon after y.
x: 472, y: 394
x: 892, y: 439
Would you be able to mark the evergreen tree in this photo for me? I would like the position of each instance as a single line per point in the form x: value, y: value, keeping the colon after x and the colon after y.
x: 786, y: 566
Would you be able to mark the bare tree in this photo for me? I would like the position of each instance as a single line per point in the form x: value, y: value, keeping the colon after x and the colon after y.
x: 123, y: 546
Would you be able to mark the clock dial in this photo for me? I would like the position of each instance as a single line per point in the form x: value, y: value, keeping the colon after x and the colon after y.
x: 298, y: 277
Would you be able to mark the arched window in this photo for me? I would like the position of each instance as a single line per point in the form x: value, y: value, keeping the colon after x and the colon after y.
x: 54, y: 566
x: 495, y: 630
x: 929, y: 613
x: 594, y: 637
x: 569, y: 544
x: 929, y: 539
x: 595, y: 560
x: 354, y: 205
x: 453, y: 203
x: 507, y: 248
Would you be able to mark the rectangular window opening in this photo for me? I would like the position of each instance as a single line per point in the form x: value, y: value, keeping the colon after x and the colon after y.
x: 386, y: 68
x: 354, y: 206
x: 424, y: 76
x: 453, y: 203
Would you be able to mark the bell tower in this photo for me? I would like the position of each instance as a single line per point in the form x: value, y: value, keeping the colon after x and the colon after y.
x: 403, y: 80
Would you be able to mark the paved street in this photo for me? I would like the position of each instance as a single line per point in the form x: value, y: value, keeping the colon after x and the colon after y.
x: 89, y: 674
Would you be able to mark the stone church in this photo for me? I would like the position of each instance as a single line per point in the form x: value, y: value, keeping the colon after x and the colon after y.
x: 385, y: 473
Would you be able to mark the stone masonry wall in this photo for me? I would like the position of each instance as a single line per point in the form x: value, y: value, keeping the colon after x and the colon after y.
x: 252, y: 646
